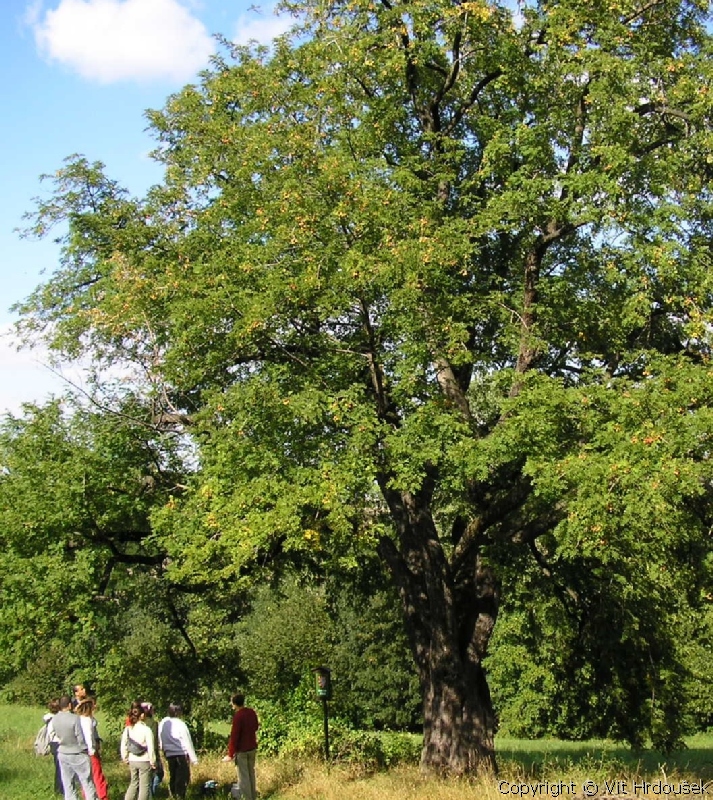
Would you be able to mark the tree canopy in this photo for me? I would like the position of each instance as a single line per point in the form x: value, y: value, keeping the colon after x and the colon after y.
x: 432, y: 279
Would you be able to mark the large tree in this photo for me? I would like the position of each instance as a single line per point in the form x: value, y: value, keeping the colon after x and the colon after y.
x: 432, y: 278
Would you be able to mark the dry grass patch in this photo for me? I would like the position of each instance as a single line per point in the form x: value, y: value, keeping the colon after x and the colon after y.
x: 292, y: 779
x: 343, y: 783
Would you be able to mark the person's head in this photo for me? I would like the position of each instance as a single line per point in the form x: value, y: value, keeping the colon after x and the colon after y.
x: 148, y: 709
x: 65, y: 703
x: 175, y: 710
x: 53, y: 706
x: 136, y: 713
x: 238, y: 700
x: 80, y: 691
x: 85, y: 708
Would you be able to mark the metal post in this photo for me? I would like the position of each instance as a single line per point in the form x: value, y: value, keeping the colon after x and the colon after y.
x: 324, y: 693
x: 326, y: 730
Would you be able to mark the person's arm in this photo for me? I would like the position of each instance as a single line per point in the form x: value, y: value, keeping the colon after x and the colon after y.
x: 85, y: 723
x: 234, y: 735
x: 151, y: 746
x: 124, y: 744
x: 188, y: 748
x: 96, y: 738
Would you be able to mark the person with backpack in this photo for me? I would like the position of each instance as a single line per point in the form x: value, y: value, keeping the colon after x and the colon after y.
x: 157, y: 773
x: 46, y: 742
x: 44, y: 737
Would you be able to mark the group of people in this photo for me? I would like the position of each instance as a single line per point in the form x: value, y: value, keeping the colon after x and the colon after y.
x: 141, y: 741
x: 76, y: 747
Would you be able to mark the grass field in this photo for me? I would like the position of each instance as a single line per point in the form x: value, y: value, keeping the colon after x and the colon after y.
x: 560, y: 768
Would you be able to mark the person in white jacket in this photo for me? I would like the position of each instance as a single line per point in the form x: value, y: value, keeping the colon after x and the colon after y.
x: 138, y: 750
x: 177, y: 745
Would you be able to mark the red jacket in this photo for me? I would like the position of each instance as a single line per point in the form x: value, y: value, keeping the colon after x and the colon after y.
x: 242, y: 732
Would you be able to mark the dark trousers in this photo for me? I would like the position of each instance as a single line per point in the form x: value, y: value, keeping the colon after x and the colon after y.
x: 179, y: 769
x: 58, y: 788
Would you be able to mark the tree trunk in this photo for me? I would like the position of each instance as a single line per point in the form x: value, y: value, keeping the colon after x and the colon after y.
x: 458, y: 723
x: 450, y: 609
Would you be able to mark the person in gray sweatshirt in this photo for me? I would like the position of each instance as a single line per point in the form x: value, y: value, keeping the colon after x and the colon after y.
x: 72, y: 752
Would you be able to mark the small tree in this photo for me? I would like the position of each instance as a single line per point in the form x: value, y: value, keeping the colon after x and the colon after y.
x: 81, y: 564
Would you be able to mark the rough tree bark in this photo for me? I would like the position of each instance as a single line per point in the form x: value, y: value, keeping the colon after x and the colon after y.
x: 450, y: 612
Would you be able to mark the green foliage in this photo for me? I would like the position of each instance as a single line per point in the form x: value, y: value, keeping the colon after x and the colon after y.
x: 549, y: 679
x: 610, y: 646
x: 283, y: 638
x: 45, y: 677
x: 278, y: 724
x: 375, y: 681
x: 82, y: 585
x: 144, y: 663
x: 367, y: 750
x: 696, y: 646
x: 427, y: 280
x: 294, y: 628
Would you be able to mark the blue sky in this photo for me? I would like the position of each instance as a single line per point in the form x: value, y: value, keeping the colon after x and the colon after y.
x: 77, y: 76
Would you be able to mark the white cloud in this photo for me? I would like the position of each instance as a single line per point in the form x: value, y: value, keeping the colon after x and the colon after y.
x: 264, y: 28
x: 124, y: 40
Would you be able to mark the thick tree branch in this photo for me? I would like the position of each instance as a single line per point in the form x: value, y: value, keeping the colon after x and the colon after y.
x: 529, y: 349
x: 640, y: 12
x: 180, y: 626
x: 120, y: 557
x: 451, y: 388
x: 662, y: 110
x: 472, y: 99
x: 580, y: 127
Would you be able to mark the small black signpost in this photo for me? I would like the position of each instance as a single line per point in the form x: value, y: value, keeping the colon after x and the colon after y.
x: 324, y: 693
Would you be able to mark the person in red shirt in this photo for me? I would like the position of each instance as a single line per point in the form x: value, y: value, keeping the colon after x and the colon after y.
x: 242, y: 747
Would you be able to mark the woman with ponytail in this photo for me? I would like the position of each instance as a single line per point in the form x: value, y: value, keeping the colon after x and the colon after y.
x: 138, y: 750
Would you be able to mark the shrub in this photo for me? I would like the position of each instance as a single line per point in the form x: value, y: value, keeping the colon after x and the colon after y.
x: 370, y: 750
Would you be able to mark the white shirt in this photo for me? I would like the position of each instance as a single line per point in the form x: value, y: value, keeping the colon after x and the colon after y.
x: 87, y: 724
x: 141, y: 734
x: 175, y: 738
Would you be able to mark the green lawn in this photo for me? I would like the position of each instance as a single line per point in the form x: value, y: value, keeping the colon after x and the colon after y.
x: 24, y: 776
x: 548, y: 758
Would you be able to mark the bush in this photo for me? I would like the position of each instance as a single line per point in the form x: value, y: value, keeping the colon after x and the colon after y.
x: 44, y: 678
x: 359, y: 634
x: 370, y: 750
